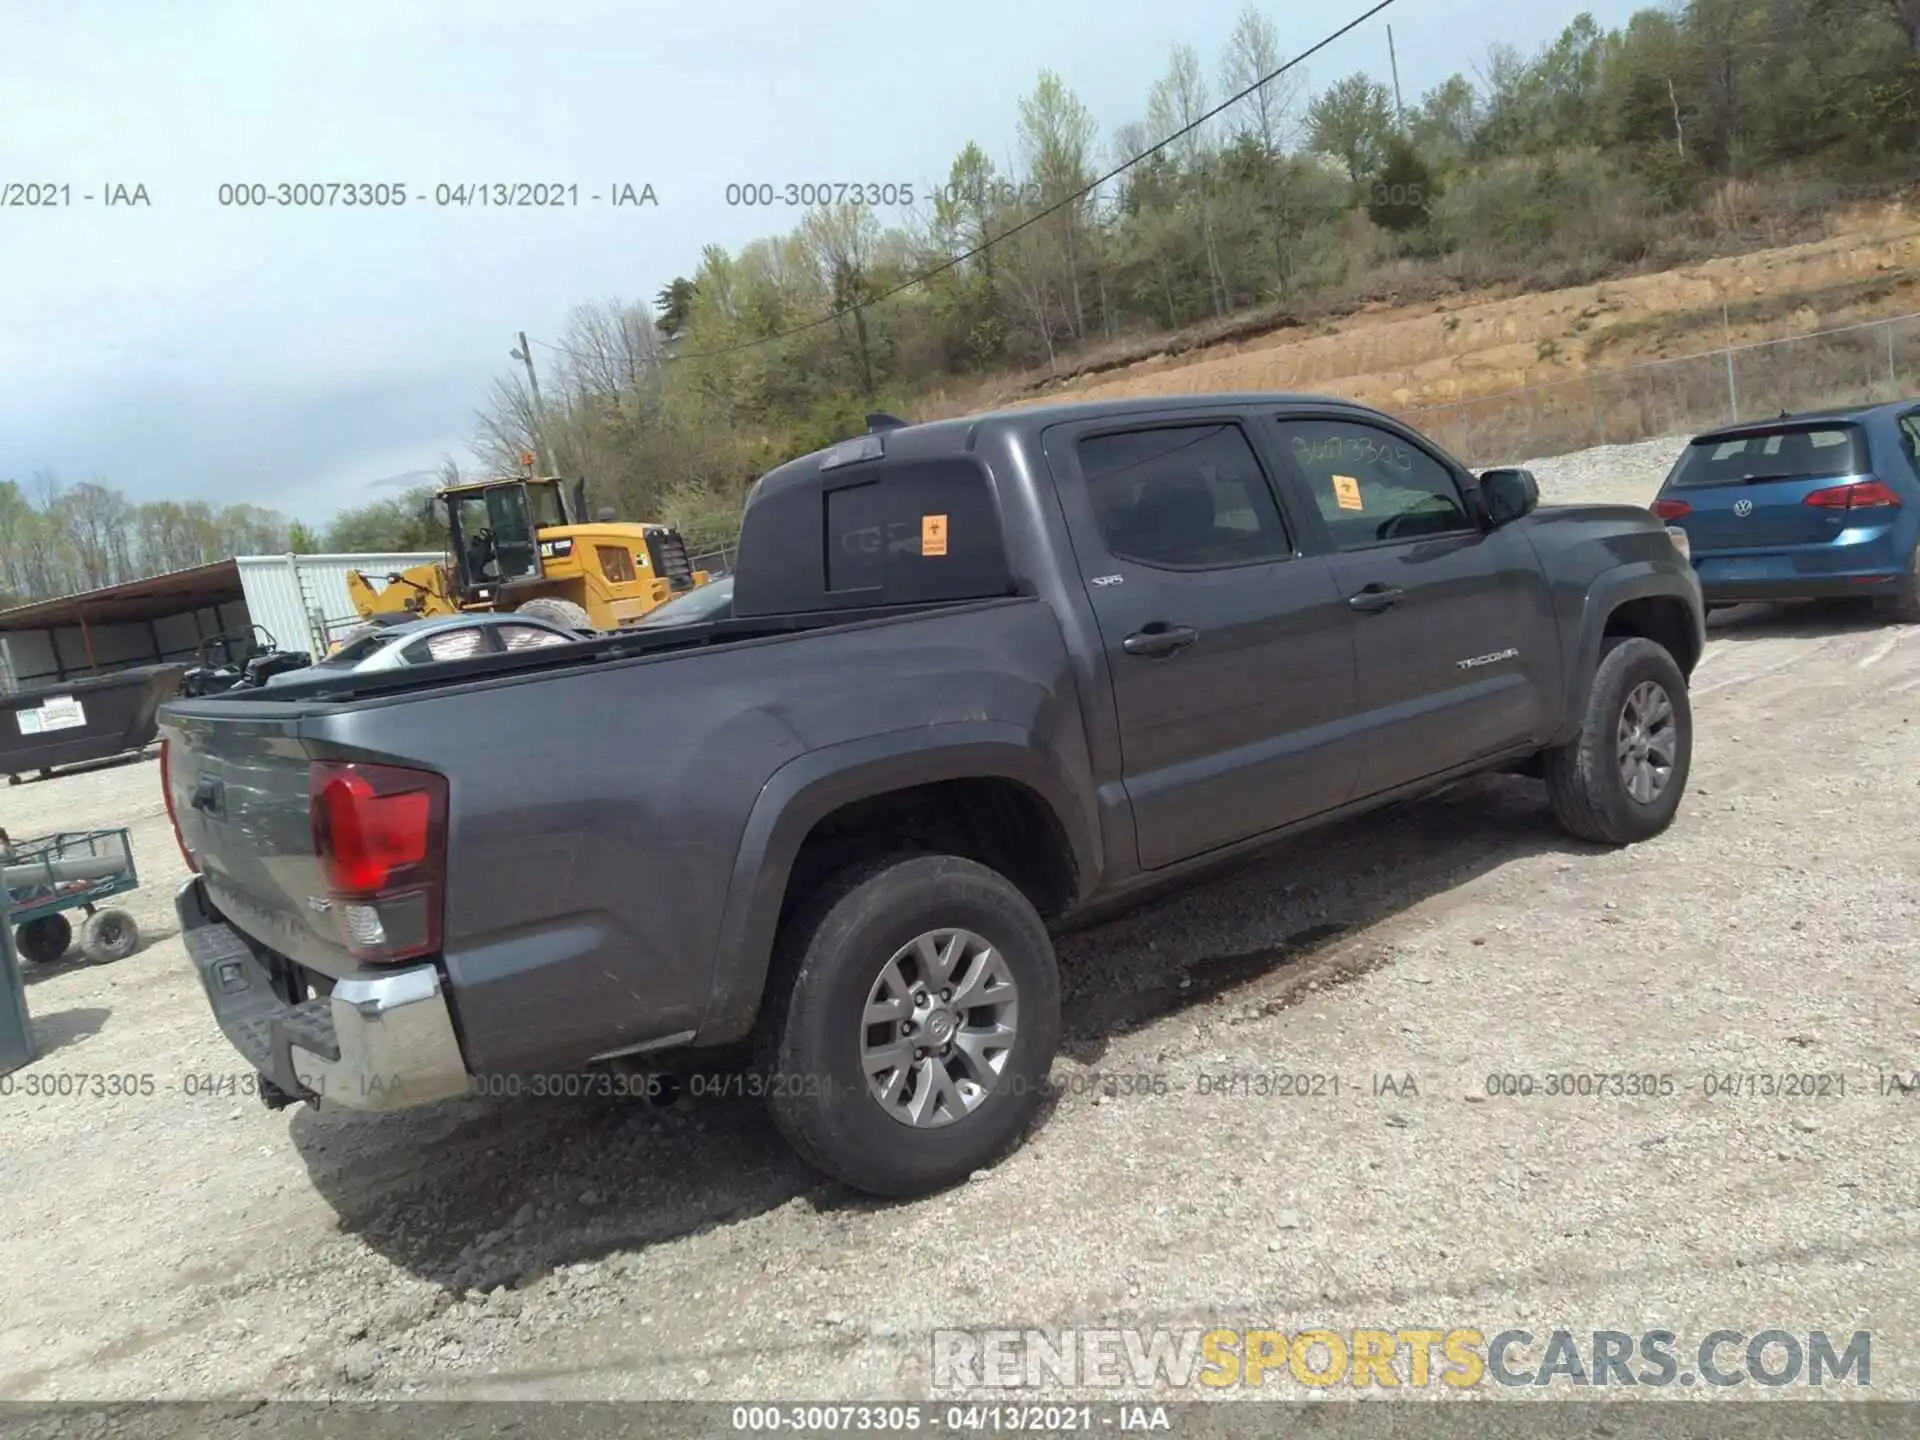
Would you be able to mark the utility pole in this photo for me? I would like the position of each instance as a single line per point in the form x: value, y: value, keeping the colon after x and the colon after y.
x: 1393, y: 60
x: 525, y: 354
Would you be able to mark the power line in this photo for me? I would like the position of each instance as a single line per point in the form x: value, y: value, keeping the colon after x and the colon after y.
x: 1034, y: 219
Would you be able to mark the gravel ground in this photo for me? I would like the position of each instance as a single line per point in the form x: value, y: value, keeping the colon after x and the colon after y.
x: 179, y: 1245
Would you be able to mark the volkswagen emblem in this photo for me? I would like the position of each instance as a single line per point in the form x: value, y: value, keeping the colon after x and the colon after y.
x: 1743, y: 508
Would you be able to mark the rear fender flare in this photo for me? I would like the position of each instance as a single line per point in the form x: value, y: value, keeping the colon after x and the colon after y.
x: 810, y: 787
x: 1637, y: 580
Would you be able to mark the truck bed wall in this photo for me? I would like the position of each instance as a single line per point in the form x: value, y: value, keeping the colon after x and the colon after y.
x: 596, y: 815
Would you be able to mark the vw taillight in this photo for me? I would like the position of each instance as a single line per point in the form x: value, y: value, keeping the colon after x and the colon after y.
x: 1671, y: 509
x: 173, y: 816
x: 1861, y: 495
x: 379, y: 832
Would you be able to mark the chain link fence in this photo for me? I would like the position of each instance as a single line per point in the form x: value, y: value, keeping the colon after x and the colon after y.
x: 1860, y: 364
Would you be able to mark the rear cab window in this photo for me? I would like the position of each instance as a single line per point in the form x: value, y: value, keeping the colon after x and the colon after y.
x: 1790, y: 452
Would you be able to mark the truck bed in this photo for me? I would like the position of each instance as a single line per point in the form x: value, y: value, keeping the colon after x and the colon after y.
x: 599, y: 796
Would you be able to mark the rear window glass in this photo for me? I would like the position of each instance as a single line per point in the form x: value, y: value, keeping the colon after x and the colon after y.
x: 354, y: 651
x: 1790, y: 453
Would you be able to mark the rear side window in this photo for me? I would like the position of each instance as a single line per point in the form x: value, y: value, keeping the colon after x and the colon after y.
x: 447, y: 645
x: 1184, y: 496
x: 1910, y: 438
x: 1788, y: 453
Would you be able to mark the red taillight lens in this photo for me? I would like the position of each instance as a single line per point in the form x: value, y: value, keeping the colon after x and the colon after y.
x: 364, y: 836
x: 173, y: 816
x: 1862, y: 495
x: 1671, y: 509
x: 380, y: 834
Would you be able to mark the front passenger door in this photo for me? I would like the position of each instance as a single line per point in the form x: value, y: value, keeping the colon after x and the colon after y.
x: 1453, y: 636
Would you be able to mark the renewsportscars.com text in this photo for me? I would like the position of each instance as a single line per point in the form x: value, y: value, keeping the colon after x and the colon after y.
x: 1388, y: 1359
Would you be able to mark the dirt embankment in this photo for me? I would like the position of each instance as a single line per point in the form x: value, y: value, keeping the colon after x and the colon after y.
x: 1405, y: 357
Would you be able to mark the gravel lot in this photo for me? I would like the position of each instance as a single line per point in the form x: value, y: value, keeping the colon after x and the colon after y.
x: 176, y: 1245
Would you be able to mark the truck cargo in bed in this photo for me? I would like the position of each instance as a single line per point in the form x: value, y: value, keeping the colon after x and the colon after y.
x: 981, y: 676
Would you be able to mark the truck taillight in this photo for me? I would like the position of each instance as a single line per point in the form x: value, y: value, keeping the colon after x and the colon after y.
x: 380, y: 834
x: 173, y: 816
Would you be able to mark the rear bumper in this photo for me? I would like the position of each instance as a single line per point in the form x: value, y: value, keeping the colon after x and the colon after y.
x: 1798, y: 587
x: 382, y: 1040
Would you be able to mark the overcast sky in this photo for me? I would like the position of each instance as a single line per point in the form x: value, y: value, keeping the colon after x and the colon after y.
x: 304, y: 359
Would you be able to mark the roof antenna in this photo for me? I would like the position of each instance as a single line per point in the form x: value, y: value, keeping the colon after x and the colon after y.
x: 878, y: 421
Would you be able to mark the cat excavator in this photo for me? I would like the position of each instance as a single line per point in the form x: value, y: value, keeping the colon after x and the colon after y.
x: 523, y: 543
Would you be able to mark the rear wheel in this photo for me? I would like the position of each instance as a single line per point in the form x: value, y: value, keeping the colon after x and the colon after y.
x: 558, y: 612
x: 43, y: 941
x: 1620, y: 779
x: 110, y: 935
x: 915, y: 1014
x: 1903, y: 606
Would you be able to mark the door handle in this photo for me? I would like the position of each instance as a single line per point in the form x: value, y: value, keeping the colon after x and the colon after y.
x: 1159, y: 639
x: 1375, y: 598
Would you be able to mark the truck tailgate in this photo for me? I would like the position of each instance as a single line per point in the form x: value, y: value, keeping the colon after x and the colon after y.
x: 238, y: 787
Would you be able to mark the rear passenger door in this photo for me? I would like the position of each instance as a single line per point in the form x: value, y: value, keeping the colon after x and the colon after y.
x: 1453, y: 624
x: 1229, y: 649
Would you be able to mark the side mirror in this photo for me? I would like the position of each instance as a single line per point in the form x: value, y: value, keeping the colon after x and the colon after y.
x: 1509, y: 494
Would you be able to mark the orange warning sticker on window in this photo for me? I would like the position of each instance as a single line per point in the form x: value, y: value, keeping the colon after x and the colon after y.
x: 1346, y: 492
x: 933, y: 534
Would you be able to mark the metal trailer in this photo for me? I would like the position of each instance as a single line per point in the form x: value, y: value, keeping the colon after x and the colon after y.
x: 73, y: 870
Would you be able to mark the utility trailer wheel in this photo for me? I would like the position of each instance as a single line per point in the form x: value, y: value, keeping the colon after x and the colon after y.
x: 110, y: 935
x: 43, y: 941
x: 13, y: 779
x: 914, y: 1014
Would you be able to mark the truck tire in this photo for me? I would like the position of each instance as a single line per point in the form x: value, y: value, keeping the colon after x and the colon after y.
x: 109, y: 935
x: 1621, y: 778
x: 43, y: 941
x: 558, y: 612
x: 875, y: 944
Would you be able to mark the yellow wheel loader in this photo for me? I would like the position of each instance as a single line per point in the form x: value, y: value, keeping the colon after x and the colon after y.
x: 524, y: 544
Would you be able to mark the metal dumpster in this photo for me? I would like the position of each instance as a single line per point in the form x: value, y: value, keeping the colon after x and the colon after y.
x: 74, y: 721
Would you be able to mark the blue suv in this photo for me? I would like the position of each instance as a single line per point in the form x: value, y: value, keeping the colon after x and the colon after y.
x: 1804, y: 507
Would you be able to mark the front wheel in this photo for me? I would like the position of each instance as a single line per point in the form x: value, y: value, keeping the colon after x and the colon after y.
x: 914, y: 1020
x: 1620, y: 779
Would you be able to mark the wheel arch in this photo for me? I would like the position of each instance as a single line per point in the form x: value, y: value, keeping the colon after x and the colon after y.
x: 1631, y: 600
x: 984, y: 789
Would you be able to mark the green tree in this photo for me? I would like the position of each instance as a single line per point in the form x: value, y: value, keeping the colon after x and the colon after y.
x: 1400, y: 197
x: 1350, y: 123
x: 301, y: 540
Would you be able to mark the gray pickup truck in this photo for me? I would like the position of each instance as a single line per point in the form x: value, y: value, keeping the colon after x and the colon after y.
x: 980, y: 677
